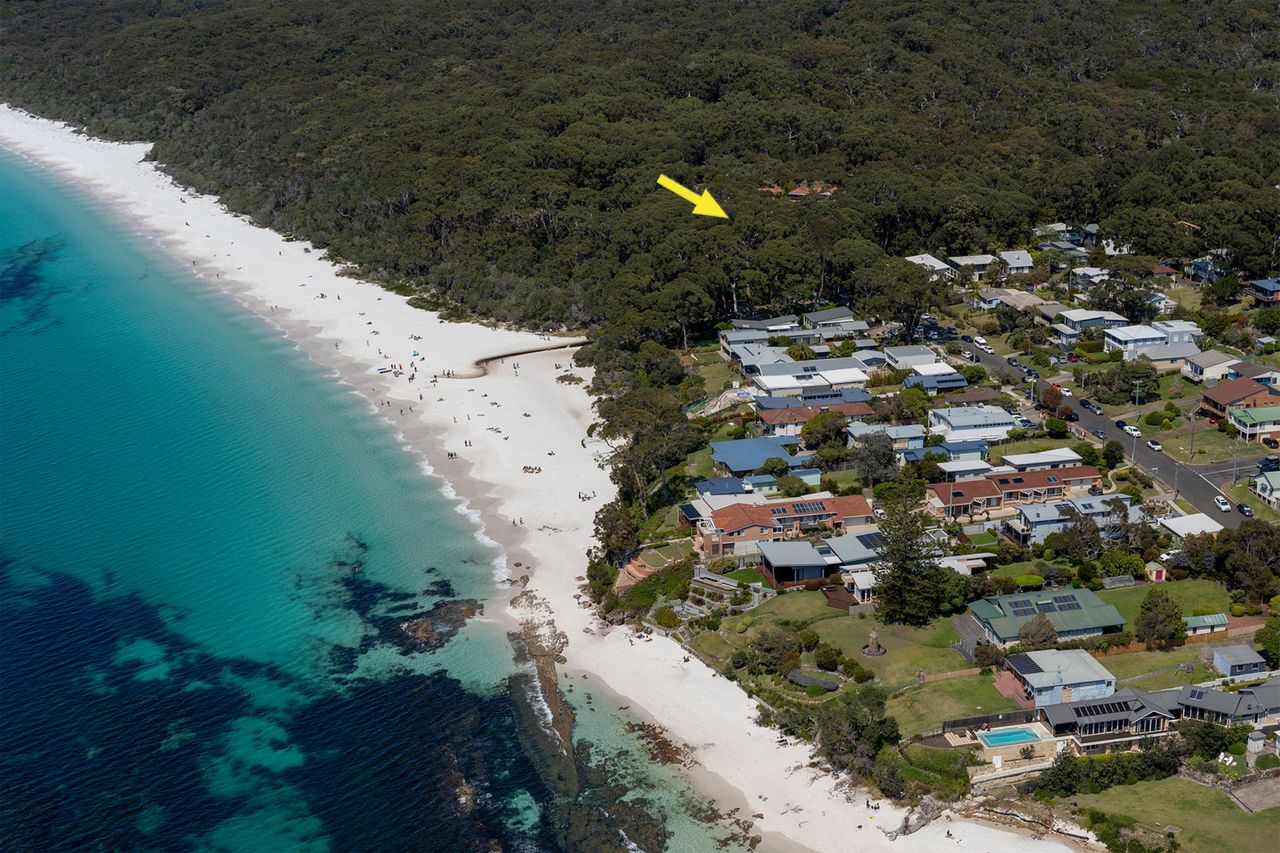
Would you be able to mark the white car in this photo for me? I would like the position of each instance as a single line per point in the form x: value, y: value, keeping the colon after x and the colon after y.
x: 1168, y: 555
x: 1066, y: 392
x: 1155, y: 445
x: 1133, y: 431
x: 1222, y: 503
x: 980, y: 341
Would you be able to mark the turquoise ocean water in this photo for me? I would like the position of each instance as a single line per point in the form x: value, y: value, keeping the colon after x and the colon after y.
x: 207, y: 546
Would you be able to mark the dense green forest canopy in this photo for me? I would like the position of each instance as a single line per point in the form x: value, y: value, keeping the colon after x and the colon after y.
x: 503, y: 154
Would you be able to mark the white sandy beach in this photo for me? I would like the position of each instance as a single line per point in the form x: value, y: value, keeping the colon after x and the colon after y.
x: 517, y: 415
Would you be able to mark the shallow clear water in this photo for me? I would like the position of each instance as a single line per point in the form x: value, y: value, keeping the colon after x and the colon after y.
x: 207, y: 546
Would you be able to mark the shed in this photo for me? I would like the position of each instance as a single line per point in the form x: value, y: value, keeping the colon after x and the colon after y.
x: 1238, y: 660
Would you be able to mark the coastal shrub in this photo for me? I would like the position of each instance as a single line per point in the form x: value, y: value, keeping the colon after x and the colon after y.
x: 1155, y: 418
x: 600, y: 576
x: 670, y: 583
x: 665, y: 617
x: 739, y: 658
x: 852, y: 669
x: 1237, y: 610
x: 744, y: 623
x: 1267, y: 761
x: 809, y: 639
x: 826, y: 658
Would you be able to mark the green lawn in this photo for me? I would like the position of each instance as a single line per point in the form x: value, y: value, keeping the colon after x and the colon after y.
x: 1191, y: 594
x: 922, y: 709
x: 982, y: 541
x: 843, y: 479
x: 712, y: 645
x: 1173, y: 678
x: 1139, y: 663
x: 1208, y: 820
x: 1211, y: 446
x: 1241, y: 492
x: 699, y: 464
x: 1027, y: 445
x: 717, y: 373
x: 746, y: 576
x: 908, y: 650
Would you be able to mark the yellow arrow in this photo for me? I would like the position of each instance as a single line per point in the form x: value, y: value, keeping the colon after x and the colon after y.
x: 703, y: 205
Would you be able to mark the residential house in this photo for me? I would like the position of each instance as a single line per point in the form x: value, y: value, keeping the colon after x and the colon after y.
x: 1180, y: 527
x: 1075, y: 614
x: 954, y: 451
x: 964, y: 469
x: 720, y: 486
x: 903, y: 436
x: 1070, y: 252
x: 745, y: 455
x: 976, y: 265
x: 786, y: 564
x: 1265, y: 291
x: 1208, y: 366
x: 739, y: 528
x: 935, y: 378
x: 792, y: 379
x: 1047, y: 313
x: 767, y: 484
x: 1054, y: 676
x: 937, y: 268
x: 1267, y: 487
x: 1160, y: 305
x: 1073, y: 321
x: 1257, y: 423
x: 1019, y: 487
x: 1238, y: 660
x: 817, y: 398
x: 751, y: 357
x: 1108, y: 723
x: 1241, y: 393
x: 1258, y: 371
x: 1206, y: 269
x: 845, y: 330
x: 990, y: 298
x: 1019, y: 261
x: 1061, y: 457
x: 730, y: 338
x: 1167, y: 358
x: 769, y: 324
x: 828, y: 317
x: 789, y: 421
x: 816, y: 189
x: 1032, y: 524
x: 1219, y: 706
x: 971, y: 423
x: 902, y: 358
x: 972, y: 498
x: 1087, y: 277
x: 1164, y: 340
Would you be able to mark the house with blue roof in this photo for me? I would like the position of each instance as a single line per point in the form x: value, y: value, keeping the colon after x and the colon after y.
x: 1266, y: 291
x: 721, y: 486
x: 745, y: 455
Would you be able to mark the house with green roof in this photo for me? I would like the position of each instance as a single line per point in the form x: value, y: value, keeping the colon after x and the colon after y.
x: 1267, y: 486
x: 1210, y: 623
x: 1256, y: 423
x: 1074, y: 614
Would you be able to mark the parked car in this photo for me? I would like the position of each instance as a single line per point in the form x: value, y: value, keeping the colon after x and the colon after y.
x: 1271, y: 463
x: 1121, y: 424
x: 1034, y: 374
x: 1072, y: 357
x: 1155, y: 445
x: 1097, y: 433
x: 1168, y: 555
x: 980, y: 341
x: 1095, y: 490
x: 1271, y: 442
x: 1011, y: 361
x: 1073, y: 416
x: 968, y: 339
x: 1090, y: 406
x: 1245, y: 510
x: 1133, y: 431
x: 1222, y: 503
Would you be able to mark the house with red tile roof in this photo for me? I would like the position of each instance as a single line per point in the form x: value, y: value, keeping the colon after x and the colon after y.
x: 791, y: 421
x: 1007, y: 489
x: 964, y: 497
x: 1241, y: 393
x: 739, y: 528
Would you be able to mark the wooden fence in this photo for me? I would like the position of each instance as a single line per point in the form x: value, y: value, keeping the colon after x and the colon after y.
x: 1139, y: 646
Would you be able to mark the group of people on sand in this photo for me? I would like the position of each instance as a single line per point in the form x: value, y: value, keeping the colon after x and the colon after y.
x: 583, y: 496
x: 532, y: 469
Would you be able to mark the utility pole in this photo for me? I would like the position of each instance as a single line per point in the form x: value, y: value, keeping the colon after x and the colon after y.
x: 1235, y: 460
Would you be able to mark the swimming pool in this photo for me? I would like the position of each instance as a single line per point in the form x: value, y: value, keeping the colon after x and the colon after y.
x: 1008, y: 737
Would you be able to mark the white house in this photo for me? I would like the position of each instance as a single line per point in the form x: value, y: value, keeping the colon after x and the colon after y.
x: 1209, y: 366
x: 976, y: 264
x: 1267, y: 487
x: 1161, y: 304
x: 1138, y: 340
x: 1019, y: 261
x: 971, y: 423
x: 902, y: 358
x: 1087, y: 277
x: 937, y: 268
x: 1181, y: 526
x: 1062, y: 457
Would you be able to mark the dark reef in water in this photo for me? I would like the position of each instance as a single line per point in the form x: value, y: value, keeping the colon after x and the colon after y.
x: 22, y: 283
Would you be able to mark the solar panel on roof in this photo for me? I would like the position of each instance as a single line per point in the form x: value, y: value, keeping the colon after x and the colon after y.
x: 1020, y: 602
x: 1046, y: 607
x: 1024, y: 611
x: 1197, y: 694
x: 1064, y: 598
x: 1051, y: 479
x: 1024, y: 664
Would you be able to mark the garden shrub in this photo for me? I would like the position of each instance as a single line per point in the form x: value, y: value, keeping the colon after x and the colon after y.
x: 665, y: 617
x: 1267, y: 761
x: 744, y: 624
x: 1237, y: 610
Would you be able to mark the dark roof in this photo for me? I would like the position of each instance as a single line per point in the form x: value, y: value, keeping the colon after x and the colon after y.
x: 1219, y: 702
x: 1250, y: 369
x: 1127, y: 704
x: 1270, y: 285
x: 720, y: 486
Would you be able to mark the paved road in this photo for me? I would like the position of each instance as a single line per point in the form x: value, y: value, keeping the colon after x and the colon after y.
x: 1196, y: 484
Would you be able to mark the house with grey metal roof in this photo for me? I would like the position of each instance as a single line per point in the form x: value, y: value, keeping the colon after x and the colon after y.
x: 1110, y: 722
x: 903, y: 358
x: 769, y: 324
x: 903, y: 436
x: 1053, y: 676
x: 1238, y: 660
x: 1208, y: 366
x: 827, y: 317
x: 971, y: 423
x: 1018, y: 260
x: 1209, y: 623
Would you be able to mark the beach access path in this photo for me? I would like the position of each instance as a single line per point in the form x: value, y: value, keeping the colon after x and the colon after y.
x: 516, y: 415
